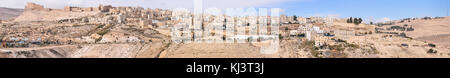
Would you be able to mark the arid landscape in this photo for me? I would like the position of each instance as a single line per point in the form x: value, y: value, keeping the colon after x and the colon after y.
x: 432, y: 31
x: 108, y: 31
x: 8, y: 13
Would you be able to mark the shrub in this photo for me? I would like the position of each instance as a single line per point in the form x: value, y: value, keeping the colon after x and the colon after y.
x: 432, y: 45
x: 101, y: 26
x: 431, y: 51
x: 98, y: 39
x: 102, y: 32
x: 280, y: 36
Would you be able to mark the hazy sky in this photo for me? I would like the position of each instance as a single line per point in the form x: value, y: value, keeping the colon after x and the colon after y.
x: 367, y: 9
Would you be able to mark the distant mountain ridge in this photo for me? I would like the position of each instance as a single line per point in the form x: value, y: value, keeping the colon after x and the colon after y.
x: 8, y: 13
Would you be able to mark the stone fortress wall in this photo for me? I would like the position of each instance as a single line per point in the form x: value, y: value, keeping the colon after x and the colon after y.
x: 102, y: 8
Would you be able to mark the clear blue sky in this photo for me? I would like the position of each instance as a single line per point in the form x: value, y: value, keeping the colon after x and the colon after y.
x: 393, y: 9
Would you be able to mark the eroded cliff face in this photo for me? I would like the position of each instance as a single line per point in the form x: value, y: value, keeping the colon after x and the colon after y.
x: 85, y: 51
x: 47, y: 52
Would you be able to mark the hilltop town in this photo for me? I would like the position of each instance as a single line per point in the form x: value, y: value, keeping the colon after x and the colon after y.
x: 107, y: 31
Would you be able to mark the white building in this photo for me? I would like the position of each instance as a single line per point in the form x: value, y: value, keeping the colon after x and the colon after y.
x: 293, y: 32
x: 121, y: 18
x: 308, y: 35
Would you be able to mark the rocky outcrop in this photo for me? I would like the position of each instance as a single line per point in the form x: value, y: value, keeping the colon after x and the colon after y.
x: 49, y: 52
x: 83, y: 51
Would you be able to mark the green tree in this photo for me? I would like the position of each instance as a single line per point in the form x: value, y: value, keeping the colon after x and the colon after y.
x: 350, y: 20
x: 295, y: 18
x: 360, y: 21
x: 280, y: 36
x: 357, y: 21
